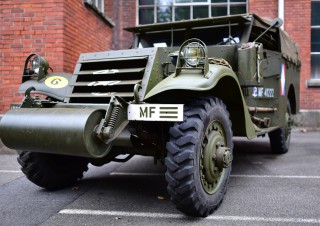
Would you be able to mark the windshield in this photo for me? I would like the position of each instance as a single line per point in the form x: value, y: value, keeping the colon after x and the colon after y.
x: 209, y: 35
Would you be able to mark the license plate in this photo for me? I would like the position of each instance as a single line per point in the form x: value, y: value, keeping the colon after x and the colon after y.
x: 155, y: 112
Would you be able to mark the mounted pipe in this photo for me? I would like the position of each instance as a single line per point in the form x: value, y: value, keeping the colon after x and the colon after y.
x: 261, y: 109
x: 281, y: 11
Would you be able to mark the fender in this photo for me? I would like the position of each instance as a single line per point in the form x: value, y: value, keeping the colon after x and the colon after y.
x: 55, y: 85
x: 221, y: 82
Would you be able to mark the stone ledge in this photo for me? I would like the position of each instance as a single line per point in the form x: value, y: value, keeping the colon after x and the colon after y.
x: 313, y: 83
x: 307, y: 118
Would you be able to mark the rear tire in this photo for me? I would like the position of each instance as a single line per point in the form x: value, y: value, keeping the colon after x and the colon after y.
x: 197, y: 179
x: 280, y: 138
x: 52, y: 171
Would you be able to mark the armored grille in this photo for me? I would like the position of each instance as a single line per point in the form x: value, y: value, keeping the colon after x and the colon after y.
x: 98, y: 80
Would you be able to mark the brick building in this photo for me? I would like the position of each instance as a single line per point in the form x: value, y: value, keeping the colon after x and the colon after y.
x: 60, y: 30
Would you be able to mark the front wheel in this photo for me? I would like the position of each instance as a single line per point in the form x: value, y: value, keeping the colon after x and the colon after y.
x: 199, y: 157
x: 52, y: 171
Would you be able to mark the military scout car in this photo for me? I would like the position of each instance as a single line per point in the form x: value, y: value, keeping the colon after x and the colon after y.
x: 180, y: 95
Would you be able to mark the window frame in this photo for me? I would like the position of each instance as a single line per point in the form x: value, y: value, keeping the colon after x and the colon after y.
x: 95, y: 5
x: 173, y: 5
x: 317, y: 27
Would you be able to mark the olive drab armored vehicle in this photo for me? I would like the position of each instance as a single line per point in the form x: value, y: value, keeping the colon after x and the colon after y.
x: 179, y: 95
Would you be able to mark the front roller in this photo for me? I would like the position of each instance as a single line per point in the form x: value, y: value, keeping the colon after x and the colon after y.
x: 53, y: 142
x: 62, y: 131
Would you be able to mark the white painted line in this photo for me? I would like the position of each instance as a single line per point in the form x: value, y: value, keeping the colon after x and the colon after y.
x: 276, y: 176
x: 232, y: 175
x: 136, y: 174
x: 10, y: 171
x: 181, y: 216
x: 265, y: 219
x: 120, y: 213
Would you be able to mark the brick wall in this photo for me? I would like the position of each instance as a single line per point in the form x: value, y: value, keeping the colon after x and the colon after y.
x: 84, y: 31
x: 26, y: 27
x: 298, y: 24
x: 263, y: 8
x: 124, y: 15
x: 57, y: 30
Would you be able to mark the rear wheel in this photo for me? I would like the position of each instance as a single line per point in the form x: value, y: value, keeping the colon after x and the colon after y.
x: 199, y: 157
x: 280, y: 138
x: 52, y: 171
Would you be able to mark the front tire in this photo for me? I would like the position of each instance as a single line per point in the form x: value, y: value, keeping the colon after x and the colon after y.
x: 199, y: 157
x: 52, y: 171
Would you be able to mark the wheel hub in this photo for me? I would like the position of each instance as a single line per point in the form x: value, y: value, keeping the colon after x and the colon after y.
x: 215, y: 157
x: 223, y: 157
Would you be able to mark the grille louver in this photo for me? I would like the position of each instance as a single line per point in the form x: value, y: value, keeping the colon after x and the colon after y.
x: 98, y: 80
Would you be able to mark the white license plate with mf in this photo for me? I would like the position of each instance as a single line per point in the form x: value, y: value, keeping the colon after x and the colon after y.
x: 155, y: 112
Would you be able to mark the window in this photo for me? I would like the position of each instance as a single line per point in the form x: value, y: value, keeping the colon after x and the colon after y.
x: 96, y: 5
x: 315, y: 39
x: 99, y: 4
x: 159, y: 11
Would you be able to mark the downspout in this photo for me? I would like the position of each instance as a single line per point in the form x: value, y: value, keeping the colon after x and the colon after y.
x: 281, y: 11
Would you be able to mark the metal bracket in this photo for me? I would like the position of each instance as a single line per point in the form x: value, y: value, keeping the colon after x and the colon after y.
x: 259, y: 61
x: 136, y: 89
x: 28, y: 101
x: 165, y: 67
x: 114, y: 121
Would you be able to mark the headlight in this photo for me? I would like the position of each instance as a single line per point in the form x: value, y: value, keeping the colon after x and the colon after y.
x: 35, y: 66
x: 194, y: 54
x: 40, y: 63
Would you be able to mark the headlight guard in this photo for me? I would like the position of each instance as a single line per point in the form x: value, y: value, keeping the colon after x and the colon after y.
x: 35, y: 66
x: 193, y: 54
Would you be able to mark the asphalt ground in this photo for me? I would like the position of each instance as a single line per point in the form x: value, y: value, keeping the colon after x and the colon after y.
x: 264, y: 189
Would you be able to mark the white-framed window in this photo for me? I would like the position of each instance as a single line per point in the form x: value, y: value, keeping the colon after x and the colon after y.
x: 315, y: 39
x: 98, y: 7
x: 158, y: 11
x: 97, y: 4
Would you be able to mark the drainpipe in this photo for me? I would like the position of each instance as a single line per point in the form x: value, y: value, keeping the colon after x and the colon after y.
x: 281, y: 11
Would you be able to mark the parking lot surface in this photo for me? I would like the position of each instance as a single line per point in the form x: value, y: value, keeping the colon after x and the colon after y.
x: 264, y: 189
